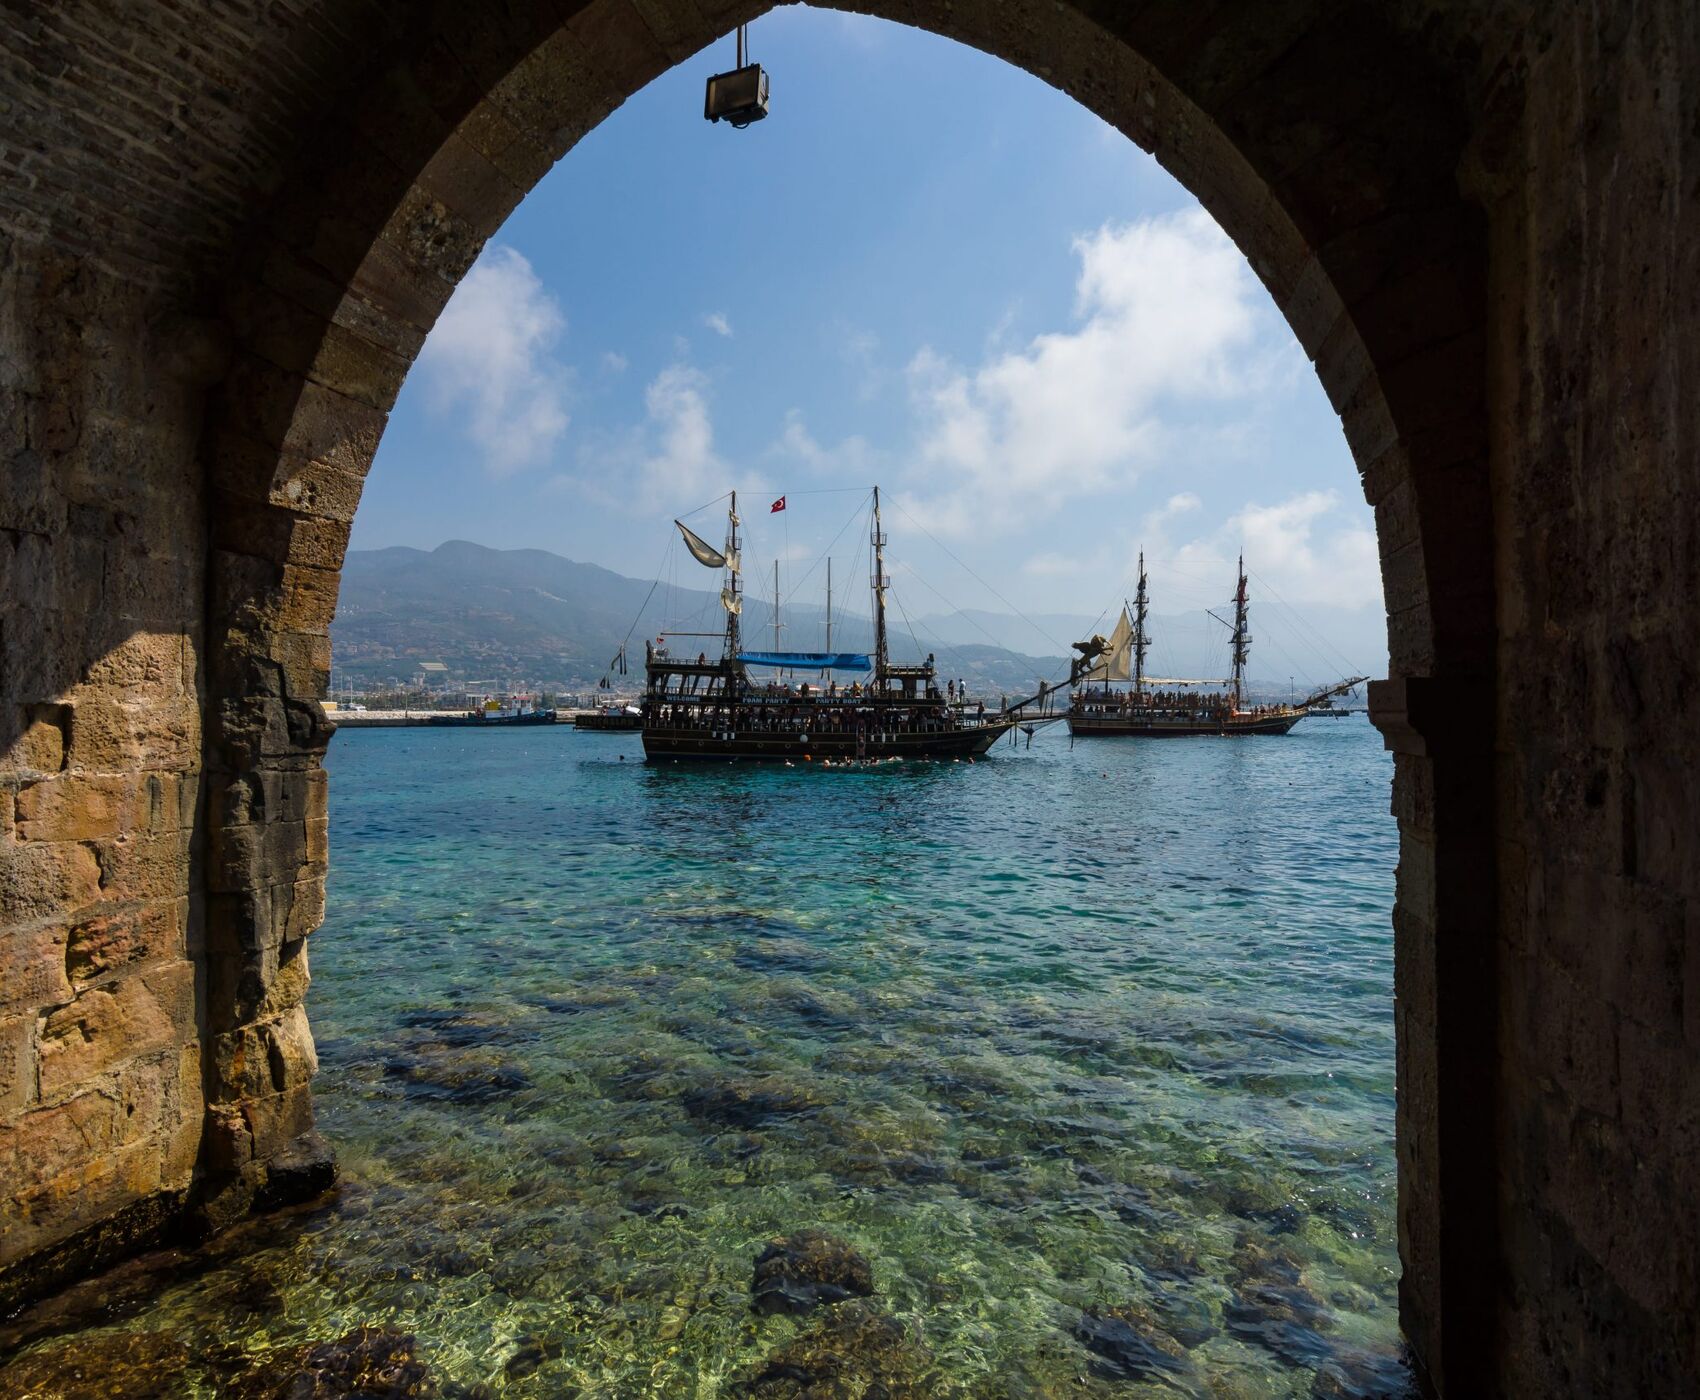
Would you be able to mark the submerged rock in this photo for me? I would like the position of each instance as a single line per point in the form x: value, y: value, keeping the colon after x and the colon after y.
x: 369, y: 1363
x: 530, y: 1353
x: 1128, y: 1346
x: 1366, y: 1375
x: 1273, y: 1308
x: 458, y: 1028
x: 807, y: 1270
x: 748, y: 1103
x: 456, y: 1080
x: 855, y: 1352
x: 117, y: 1366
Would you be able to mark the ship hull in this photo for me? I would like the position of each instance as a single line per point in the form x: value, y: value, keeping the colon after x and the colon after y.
x: 493, y: 721
x: 701, y: 745
x: 608, y: 722
x: 1140, y: 727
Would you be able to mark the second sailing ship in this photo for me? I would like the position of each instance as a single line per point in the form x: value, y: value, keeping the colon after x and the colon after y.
x: 1166, y: 707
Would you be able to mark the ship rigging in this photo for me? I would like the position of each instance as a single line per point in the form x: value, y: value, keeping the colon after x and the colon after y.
x: 1172, y: 706
x: 711, y: 707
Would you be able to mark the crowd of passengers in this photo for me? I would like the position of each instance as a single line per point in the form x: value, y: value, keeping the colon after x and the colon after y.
x: 1164, y: 704
x: 818, y: 718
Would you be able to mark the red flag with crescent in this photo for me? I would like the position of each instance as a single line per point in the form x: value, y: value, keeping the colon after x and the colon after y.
x: 776, y: 506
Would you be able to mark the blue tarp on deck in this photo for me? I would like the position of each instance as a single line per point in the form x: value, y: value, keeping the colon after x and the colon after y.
x: 809, y: 660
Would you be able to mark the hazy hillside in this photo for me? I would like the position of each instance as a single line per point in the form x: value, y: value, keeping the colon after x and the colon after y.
x: 528, y: 614
x: 525, y: 615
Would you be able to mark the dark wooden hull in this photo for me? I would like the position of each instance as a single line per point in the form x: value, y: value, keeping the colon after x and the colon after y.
x: 698, y: 744
x: 493, y: 721
x: 609, y: 722
x: 1135, y: 726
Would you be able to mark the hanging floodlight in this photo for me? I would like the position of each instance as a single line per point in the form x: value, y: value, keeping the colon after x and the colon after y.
x: 740, y: 96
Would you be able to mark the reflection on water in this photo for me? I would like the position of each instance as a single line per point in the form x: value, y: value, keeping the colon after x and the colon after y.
x: 1087, y: 1054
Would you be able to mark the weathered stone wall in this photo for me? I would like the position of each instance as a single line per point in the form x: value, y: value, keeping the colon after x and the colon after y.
x: 1596, y: 256
x: 102, y: 561
x: 226, y: 233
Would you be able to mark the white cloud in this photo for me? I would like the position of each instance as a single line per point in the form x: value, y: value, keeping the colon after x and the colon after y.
x: 1309, y: 549
x: 716, y: 321
x: 852, y: 462
x: 859, y: 349
x: 488, y: 361
x: 1165, y: 311
x: 681, y: 464
x: 614, y: 362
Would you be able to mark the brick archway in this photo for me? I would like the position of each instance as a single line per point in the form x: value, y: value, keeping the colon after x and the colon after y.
x: 235, y: 327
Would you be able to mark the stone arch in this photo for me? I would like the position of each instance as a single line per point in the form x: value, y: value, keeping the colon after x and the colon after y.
x: 1347, y: 205
x: 224, y: 237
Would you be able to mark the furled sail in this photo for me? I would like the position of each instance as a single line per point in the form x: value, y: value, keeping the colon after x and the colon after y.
x: 701, y: 550
x: 732, y: 602
x: 1113, y: 666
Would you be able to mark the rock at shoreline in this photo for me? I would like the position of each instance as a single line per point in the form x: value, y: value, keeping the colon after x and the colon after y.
x: 807, y: 1270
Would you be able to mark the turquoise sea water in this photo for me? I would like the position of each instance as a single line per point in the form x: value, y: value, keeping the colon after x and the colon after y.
x: 1088, y: 1051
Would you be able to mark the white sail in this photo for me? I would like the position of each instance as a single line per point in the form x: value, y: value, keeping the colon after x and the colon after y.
x: 731, y: 601
x: 1114, y: 665
x: 701, y: 550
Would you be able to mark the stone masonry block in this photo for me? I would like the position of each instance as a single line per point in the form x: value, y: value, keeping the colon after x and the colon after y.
x: 298, y: 907
x: 334, y: 429
x: 229, y: 1143
x: 146, y: 660
x: 113, y: 1022
x: 76, y: 807
x: 116, y: 937
x: 17, y: 1064
x: 269, y: 476
x: 39, y: 879
x: 252, y: 855
x: 49, y: 1141
x: 145, y: 866
x: 44, y: 733
x: 119, y: 735
x: 351, y: 365
x: 254, y: 985
x: 463, y: 179
x: 304, y: 661
x: 239, y: 923
x: 33, y: 956
x: 271, y: 1057
x: 277, y: 1118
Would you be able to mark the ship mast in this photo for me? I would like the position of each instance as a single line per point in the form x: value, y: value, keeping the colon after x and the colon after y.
x: 733, y: 584
x: 776, y: 605
x: 1141, y: 643
x: 829, y: 602
x: 880, y: 584
x: 1241, y: 638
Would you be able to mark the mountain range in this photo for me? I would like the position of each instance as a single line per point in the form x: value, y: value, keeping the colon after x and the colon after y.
x: 526, y: 618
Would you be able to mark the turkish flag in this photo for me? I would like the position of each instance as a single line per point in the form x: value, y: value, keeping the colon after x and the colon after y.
x: 776, y: 506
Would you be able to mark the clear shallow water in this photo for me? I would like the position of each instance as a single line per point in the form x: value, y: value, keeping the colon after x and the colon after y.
x: 1055, y: 1034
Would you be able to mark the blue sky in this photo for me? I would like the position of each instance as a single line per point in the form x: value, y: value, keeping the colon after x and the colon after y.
x: 926, y: 269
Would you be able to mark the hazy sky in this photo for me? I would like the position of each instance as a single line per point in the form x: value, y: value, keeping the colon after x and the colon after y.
x: 925, y: 269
